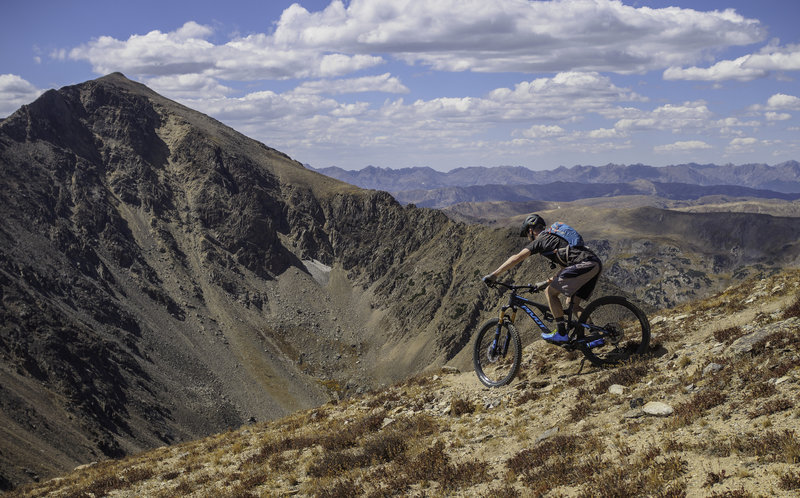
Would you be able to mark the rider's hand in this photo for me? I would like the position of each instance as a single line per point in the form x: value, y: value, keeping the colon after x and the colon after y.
x: 489, y: 280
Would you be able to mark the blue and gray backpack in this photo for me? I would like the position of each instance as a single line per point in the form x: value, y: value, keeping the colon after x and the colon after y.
x: 567, y: 233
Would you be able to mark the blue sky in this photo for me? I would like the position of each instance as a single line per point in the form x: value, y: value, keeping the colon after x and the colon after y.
x: 442, y: 83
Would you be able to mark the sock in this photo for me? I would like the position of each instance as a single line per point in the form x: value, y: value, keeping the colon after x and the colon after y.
x: 561, y: 326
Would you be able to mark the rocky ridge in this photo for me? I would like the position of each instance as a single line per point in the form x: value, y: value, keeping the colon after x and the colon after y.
x: 157, y: 285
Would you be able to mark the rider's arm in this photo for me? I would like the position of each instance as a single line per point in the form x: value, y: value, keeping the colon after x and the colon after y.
x: 512, y: 261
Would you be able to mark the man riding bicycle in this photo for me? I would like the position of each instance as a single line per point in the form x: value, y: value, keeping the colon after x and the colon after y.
x: 580, y: 270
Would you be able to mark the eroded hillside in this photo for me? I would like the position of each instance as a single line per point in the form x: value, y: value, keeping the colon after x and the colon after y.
x: 164, y: 277
x: 711, y: 411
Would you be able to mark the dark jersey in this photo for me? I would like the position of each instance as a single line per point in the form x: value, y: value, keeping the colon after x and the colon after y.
x: 558, y: 250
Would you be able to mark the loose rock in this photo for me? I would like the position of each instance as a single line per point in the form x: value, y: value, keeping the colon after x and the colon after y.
x: 657, y: 409
x: 616, y: 389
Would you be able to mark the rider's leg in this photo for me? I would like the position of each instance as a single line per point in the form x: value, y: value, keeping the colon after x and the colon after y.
x: 554, y: 301
x: 575, y: 304
x: 575, y: 281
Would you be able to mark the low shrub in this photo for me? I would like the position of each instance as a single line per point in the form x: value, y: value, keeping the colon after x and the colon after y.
x: 789, y: 481
x: 771, y: 406
x: 793, y: 310
x: 728, y: 335
x: 459, y: 406
x: 343, y: 489
x: 770, y: 445
x: 686, y: 413
x: 626, y: 375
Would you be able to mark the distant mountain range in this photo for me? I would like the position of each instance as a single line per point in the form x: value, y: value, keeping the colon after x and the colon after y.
x: 430, y: 188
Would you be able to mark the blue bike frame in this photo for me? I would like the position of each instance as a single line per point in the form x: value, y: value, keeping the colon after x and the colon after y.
x: 516, y: 301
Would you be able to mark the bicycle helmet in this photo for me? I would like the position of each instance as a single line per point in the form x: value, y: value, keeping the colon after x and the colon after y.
x: 531, y: 221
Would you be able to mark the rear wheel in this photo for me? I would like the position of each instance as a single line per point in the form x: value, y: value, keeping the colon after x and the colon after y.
x: 497, y: 356
x: 617, y: 329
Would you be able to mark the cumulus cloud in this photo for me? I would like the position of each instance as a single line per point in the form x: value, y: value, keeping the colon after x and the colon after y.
x: 305, y: 118
x: 770, y: 59
x: 560, y: 97
x: 685, y: 146
x: 777, y: 103
x: 781, y: 101
x: 744, y: 145
x: 669, y: 117
x: 188, y: 51
x: 182, y: 51
x: 540, y: 131
x: 188, y: 86
x: 511, y: 35
x: 385, y: 83
x: 777, y: 116
x: 15, y: 92
x: 503, y: 36
x: 603, y: 133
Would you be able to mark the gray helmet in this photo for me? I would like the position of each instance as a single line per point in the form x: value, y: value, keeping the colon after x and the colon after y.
x: 531, y: 221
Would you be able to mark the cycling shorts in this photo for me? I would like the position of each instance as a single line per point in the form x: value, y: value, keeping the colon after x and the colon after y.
x: 578, y: 279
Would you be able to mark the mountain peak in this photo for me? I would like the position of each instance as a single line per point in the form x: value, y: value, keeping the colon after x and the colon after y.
x: 157, y: 268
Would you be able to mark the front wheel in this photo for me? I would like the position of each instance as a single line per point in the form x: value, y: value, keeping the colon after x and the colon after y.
x: 497, y: 353
x: 614, y: 329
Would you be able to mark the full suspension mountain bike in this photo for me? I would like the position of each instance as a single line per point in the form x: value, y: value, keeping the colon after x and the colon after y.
x: 609, y: 330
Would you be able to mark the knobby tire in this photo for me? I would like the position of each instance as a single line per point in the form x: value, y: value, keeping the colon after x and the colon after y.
x: 500, y: 370
x: 618, y: 312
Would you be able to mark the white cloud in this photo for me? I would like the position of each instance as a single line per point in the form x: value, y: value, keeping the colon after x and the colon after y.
x: 187, y: 86
x: 502, y: 35
x: 721, y: 71
x: 602, y: 133
x: 742, y: 145
x: 187, y: 51
x: 542, y: 131
x: 15, y: 92
x: 304, y: 118
x: 512, y: 35
x: 783, y: 101
x: 564, y: 96
x: 746, y: 68
x: 685, y: 146
x: 266, y: 108
x: 669, y: 117
x: 183, y: 51
x: 777, y: 116
x: 385, y: 83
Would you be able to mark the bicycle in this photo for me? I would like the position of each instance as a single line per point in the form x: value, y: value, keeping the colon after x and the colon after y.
x: 609, y: 330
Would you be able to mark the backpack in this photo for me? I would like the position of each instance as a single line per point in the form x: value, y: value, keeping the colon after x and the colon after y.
x: 567, y: 233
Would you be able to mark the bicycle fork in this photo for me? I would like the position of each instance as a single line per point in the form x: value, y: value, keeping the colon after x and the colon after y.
x: 499, y: 346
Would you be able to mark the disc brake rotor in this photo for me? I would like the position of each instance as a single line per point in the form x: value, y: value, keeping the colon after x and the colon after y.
x: 491, y: 356
x: 615, y: 333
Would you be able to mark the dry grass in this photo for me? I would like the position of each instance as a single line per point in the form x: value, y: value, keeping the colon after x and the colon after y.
x: 732, y: 433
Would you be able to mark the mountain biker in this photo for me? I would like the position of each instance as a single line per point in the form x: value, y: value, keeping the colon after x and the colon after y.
x: 580, y: 270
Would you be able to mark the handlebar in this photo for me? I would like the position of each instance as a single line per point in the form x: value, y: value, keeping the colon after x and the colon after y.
x: 537, y: 287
